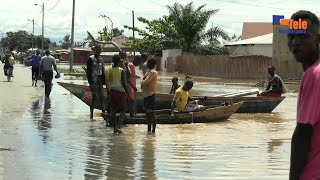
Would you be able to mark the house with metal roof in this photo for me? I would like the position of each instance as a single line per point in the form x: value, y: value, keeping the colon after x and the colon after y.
x: 256, y: 46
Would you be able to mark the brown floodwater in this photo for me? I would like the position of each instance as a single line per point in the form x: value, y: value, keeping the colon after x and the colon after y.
x: 63, y: 144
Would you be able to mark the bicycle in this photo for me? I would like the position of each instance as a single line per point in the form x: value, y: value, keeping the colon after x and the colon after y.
x: 9, y: 73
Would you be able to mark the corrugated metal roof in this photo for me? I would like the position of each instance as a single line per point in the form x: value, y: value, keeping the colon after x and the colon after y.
x: 265, y: 39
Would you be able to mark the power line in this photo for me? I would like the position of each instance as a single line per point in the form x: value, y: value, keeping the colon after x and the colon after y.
x: 25, y: 25
x: 38, y: 17
x: 53, y: 6
x: 270, y: 7
x: 121, y: 5
x: 157, y: 3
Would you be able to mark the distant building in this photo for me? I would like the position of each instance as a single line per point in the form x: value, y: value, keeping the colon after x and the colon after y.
x: 254, y: 29
x: 257, y: 46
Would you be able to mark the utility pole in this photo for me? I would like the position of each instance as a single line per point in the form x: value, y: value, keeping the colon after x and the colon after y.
x: 134, y: 52
x: 42, y: 43
x: 2, y: 49
x: 72, y: 38
x: 32, y: 34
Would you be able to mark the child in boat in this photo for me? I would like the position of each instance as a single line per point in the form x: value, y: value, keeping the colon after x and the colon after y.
x: 149, y: 87
x: 175, y: 85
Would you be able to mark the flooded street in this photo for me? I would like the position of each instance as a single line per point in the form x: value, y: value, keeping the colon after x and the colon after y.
x: 59, y: 142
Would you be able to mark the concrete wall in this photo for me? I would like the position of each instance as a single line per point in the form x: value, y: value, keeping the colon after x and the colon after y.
x: 251, y: 50
x: 281, y: 51
x: 172, y: 54
x: 241, y: 67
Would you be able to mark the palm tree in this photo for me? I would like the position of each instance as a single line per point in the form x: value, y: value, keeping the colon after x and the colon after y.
x: 190, y: 23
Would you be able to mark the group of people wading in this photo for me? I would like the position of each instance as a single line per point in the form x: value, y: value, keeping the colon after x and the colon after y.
x: 120, y: 81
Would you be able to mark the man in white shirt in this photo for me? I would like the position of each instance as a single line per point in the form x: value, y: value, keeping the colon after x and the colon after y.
x: 46, y: 64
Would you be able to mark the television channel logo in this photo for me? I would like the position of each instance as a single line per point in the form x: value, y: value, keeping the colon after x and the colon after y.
x: 295, y: 26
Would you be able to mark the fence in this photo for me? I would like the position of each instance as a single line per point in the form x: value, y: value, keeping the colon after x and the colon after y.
x: 244, y: 67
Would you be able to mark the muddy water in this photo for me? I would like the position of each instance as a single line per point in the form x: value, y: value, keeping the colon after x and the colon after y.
x: 63, y: 144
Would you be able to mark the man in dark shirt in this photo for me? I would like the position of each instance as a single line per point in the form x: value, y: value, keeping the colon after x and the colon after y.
x: 275, y: 87
x: 96, y: 79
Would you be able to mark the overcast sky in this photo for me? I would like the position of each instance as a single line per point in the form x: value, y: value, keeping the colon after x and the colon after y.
x: 14, y: 14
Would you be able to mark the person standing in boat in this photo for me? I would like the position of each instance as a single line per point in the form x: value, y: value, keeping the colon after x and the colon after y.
x: 96, y: 80
x: 305, y: 143
x: 149, y: 87
x: 275, y: 87
x: 118, y: 94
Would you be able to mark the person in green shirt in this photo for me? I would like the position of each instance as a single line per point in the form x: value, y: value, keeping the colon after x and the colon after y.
x: 6, y: 61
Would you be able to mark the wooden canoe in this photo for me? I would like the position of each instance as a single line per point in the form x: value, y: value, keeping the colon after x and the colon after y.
x: 251, y: 104
x: 211, y: 114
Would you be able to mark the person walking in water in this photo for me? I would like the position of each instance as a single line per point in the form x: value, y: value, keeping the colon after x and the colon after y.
x: 35, y: 67
x: 149, y: 87
x: 118, y: 94
x: 96, y: 79
x: 46, y: 64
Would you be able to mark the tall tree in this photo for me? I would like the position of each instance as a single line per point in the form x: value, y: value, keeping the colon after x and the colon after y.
x: 22, y: 41
x: 66, y: 42
x: 183, y: 28
x: 116, y: 32
x: 190, y: 23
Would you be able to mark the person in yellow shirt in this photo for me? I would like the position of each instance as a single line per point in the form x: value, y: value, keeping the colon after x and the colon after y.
x: 181, y: 96
x: 149, y: 87
x: 118, y: 94
x: 182, y: 99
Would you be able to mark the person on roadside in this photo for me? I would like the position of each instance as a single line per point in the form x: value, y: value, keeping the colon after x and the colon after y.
x: 118, y: 94
x: 305, y: 143
x: 46, y: 64
x: 275, y: 87
x: 96, y: 79
x: 149, y: 87
x: 175, y: 85
x: 35, y: 67
x: 7, y: 60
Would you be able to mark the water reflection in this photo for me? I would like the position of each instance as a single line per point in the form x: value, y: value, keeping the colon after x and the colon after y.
x: 148, y: 158
x: 96, y: 153
x: 121, y: 157
x: 44, y: 124
x: 274, y: 144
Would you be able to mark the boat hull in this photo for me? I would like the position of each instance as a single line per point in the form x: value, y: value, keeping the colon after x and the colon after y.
x: 216, y: 114
x: 163, y: 101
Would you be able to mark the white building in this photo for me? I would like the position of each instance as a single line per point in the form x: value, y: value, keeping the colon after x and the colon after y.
x: 260, y: 45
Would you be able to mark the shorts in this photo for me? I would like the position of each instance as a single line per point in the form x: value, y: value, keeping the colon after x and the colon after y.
x: 35, y: 72
x: 149, y: 103
x: 118, y: 101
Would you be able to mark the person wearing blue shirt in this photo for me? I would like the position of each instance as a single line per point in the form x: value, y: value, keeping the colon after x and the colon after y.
x: 35, y: 64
